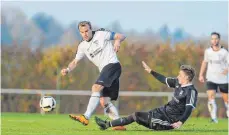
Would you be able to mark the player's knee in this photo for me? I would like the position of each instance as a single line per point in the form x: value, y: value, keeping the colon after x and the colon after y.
x: 225, y: 97
x: 97, y: 88
x: 138, y: 119
x: 102, y: 102
x: 211, y: 95
x: 135, y: 116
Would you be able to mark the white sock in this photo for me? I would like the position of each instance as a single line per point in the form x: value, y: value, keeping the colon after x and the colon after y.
x: 92, y: 105
x: 227, y: 111
x: 111, y: 111
x: 212, y: 107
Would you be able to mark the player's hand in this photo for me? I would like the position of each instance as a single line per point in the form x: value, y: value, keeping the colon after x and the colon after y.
x: 117, y: 45
x: 201, y: 79
x: 177, y: 124
x: 64, y: 71
x: 147, y: 68
x: 225, y: 71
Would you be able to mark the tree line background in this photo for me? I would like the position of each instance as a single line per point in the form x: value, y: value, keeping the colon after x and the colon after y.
x: 23, y: 67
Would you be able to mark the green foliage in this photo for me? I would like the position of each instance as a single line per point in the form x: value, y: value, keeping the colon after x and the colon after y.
x: 25, y: 68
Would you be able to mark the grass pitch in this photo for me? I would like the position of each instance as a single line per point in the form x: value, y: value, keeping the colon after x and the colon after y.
x: 61, y: 124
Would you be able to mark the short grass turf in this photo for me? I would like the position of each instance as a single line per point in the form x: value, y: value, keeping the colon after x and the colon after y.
x: 61, y: 124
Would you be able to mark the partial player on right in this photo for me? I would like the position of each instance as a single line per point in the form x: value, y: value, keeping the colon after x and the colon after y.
x: 216, y: 64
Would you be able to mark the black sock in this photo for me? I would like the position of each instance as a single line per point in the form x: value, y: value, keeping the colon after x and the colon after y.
x: 121, y: 121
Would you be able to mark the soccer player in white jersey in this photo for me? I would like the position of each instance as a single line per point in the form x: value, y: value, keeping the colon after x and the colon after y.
x: 98, y: 47
x: 216, y: 63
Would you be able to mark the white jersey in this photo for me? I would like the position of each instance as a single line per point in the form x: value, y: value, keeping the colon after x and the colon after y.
x: 217, y: 63
x: 99, y: 49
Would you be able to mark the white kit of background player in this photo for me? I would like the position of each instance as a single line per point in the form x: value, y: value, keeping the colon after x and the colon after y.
x: 216, y: 63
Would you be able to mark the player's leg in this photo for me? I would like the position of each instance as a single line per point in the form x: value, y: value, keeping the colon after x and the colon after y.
x: 212, y: 107
x: 141, y: 118
x: 108, y: 74
x: 108, y: 94
x: 92, y: 105
x: 224, y: 92
x: 159, y: 121
x: 111, y: 93
x: 94, y: 100
x: 109, y: 108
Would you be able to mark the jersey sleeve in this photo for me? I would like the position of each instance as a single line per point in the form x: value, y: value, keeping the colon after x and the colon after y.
x: 186, y: 114
x: 171, y: 82
x: 158, y: 76
x: 206, y: 59
x: 191, y: 98
x: 80, y: 53
x: 107, y: 35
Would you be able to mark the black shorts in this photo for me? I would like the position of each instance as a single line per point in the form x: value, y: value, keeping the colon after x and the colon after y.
x: 153, y: 119
x: 109, y: 78
x: 214, y: 86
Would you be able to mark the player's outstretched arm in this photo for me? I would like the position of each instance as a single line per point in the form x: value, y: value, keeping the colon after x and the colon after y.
x: 158, y: 76
x: 70, y: 67
x: 118, y: 38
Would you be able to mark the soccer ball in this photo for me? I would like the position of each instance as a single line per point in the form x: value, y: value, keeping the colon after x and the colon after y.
x: 47, y: 103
